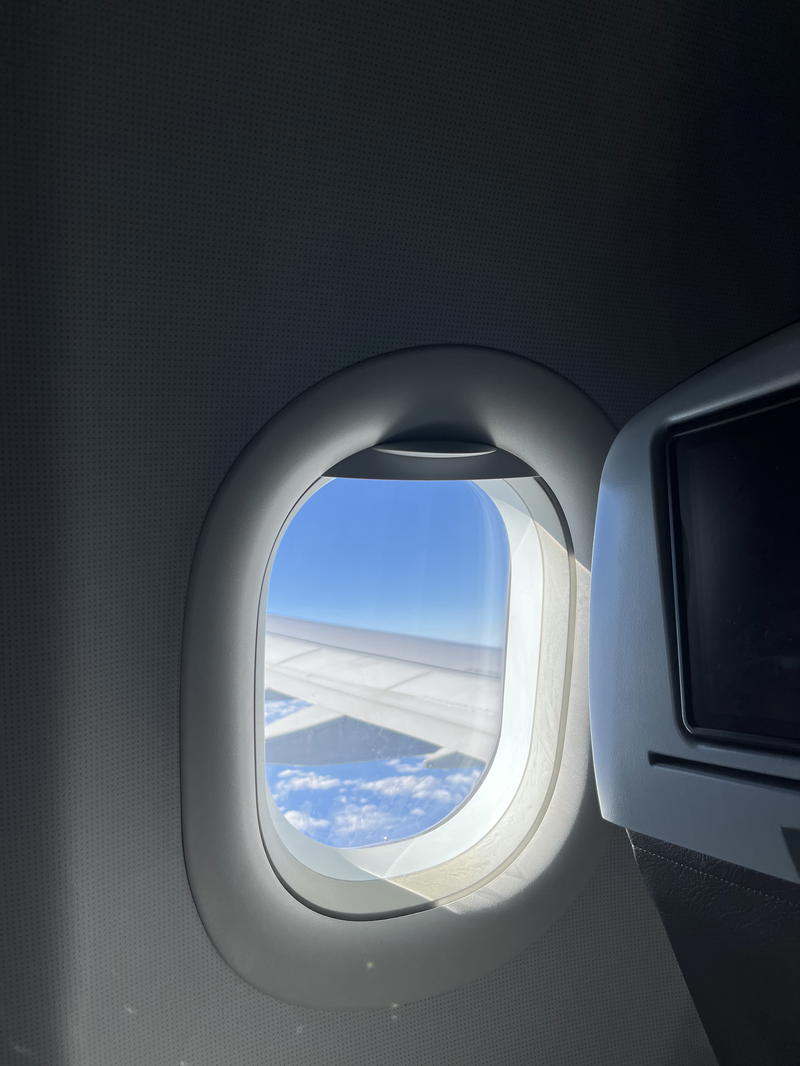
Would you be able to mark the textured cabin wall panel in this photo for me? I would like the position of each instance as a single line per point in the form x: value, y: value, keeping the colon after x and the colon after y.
x: 212, y: 206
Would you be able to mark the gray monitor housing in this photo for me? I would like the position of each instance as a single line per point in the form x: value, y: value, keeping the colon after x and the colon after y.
x: 733, y: 798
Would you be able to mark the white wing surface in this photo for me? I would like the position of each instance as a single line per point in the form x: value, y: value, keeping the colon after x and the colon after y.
x: 447, y: 696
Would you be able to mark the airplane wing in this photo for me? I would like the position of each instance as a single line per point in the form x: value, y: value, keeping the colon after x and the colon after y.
x: 445, y: 696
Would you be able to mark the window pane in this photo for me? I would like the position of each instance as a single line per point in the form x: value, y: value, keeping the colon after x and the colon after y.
x: 386, y: 618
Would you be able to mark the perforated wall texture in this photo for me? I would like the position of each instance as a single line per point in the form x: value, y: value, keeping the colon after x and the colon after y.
x: 210, y: 206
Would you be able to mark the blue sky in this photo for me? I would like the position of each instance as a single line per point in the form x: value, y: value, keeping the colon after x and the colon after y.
x: 426, y: 558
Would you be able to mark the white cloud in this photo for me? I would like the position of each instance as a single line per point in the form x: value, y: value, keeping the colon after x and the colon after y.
x: 304, y: 822
x: 402, y: 785
x: 278, y: 707
x: 465, y: 781
x: 356, y: 812
x: 356, y: 819
x: 406, y: 767
x: 300, y: 780
x: 452, y: 790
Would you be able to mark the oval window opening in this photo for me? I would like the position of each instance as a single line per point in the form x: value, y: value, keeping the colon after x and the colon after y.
x: 385, y: 646
x: 414, y: 643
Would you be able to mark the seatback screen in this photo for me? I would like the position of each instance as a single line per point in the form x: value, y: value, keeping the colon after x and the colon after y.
x: 735, y: 515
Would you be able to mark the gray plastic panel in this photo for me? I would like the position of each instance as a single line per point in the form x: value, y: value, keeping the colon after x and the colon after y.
x: 725, y: 800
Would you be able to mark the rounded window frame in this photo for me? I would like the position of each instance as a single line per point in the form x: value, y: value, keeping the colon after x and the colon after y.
x: 487, y: 830
x: 268, y: 935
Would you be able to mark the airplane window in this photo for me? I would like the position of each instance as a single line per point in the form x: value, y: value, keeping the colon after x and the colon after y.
x: 385, y: 642
x: 384, y: 707
x: 402, y: 624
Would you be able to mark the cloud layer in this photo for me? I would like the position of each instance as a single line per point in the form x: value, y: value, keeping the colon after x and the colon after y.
x: 358, y: 804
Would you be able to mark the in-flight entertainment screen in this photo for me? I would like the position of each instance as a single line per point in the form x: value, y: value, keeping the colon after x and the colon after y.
x: 735, y: 514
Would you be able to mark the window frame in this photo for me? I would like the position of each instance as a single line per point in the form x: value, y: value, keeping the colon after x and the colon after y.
x: 273, y: 940
x: 485, y: 832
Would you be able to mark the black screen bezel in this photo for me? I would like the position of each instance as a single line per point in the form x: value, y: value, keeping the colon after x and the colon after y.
x: 738, y: 737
